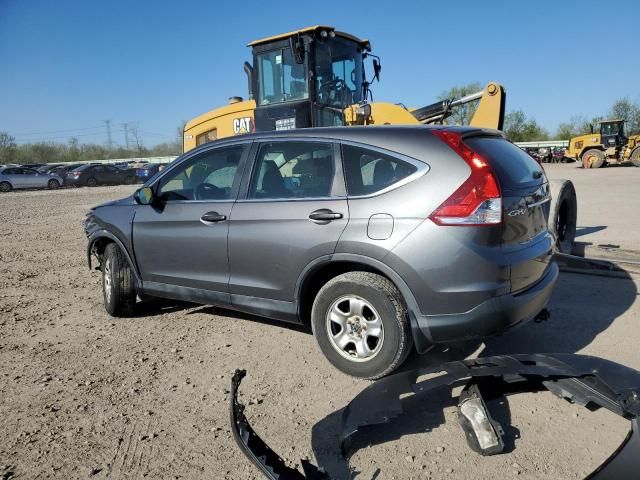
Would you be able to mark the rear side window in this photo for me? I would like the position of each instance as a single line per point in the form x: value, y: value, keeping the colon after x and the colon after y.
x: 512, y: 166
x: 293, y: 170
x: 368, y: 171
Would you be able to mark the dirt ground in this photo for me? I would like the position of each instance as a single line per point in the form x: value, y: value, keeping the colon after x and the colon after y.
x: 83, y: 395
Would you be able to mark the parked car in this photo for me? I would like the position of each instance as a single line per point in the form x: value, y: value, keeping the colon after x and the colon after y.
x: 91, y: 175
x: 380, y: 238
x: 15, y: 178
x: 33, y: 165
x: 62, y: 170
x: 145, y: 172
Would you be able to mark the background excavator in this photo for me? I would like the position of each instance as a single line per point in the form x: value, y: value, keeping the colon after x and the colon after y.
x: 316, y: 77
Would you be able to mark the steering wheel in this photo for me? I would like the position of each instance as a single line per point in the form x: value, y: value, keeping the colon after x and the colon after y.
x: 336, y: 85
x: 208, y: 191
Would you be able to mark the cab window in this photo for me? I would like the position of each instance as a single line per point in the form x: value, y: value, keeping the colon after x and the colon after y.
x: 207, y: 176
x: 293, y: 170
x: 281, y: 78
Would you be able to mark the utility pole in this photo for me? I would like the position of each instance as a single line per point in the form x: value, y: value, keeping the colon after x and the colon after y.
x: 126, y: 135
x: 109, y: 139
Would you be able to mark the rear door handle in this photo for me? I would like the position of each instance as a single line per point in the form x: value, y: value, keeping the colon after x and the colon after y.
x: 324, y: 215
x: 212, y: 217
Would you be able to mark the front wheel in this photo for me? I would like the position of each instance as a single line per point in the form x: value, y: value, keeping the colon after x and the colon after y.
x: 117, y: 283
x: 593, y: 158
x: 53, y: 184
x: 5, y: 187
x: 635, y: 157
x: 361, y: 324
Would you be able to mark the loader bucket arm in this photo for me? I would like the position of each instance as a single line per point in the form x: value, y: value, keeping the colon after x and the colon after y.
x: 490, y: 111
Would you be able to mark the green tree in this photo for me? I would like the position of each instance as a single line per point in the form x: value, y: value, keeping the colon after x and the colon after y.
x: 627, y: 110
x: 462, y: 114
x: 519, y: 128
x: 8, y: 148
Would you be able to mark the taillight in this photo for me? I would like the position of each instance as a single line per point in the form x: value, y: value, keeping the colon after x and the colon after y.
x: 478, y: 200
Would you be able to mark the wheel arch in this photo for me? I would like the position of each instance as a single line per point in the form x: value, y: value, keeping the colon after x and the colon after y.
x: 9, y: 183
x: 323, y: 269
x: 98, y: 242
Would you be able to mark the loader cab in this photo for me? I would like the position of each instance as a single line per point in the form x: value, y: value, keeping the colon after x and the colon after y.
x: 612, y: 133
x: 306, y: 78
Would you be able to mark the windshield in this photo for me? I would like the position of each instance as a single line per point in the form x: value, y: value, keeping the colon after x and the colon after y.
x: 339, y: 72
x: 281, y: 78
x: 611, y: 129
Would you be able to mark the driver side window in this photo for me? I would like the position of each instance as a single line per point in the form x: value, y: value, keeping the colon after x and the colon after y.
x: 207, y: 176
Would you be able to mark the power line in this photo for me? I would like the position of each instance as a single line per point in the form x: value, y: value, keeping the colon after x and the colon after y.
x: 46, y: 132
x: 44, y: 139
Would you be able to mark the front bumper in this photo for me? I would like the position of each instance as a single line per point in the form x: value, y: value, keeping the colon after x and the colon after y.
x: 492, y: 316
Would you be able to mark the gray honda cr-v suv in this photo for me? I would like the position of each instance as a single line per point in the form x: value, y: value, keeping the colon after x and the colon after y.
x: 379, y: 238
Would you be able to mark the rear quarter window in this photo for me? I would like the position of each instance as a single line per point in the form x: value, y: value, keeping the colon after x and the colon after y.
x: 513, y: 167
x: 368, y: 171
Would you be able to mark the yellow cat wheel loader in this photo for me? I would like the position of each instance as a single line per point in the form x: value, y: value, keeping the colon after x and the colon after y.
x: 610, y: 145
x: 315, y: 77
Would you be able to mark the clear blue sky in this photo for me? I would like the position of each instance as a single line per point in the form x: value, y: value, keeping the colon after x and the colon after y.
x: 68, y: 65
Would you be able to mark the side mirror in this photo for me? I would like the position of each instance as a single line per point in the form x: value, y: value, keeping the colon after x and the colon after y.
x: 377, y: 68
x: 144, y: 196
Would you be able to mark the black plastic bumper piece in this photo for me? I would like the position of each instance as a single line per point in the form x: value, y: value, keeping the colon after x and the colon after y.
x: 260, y: 454
x: 492, y: 316
x: 586, y: 381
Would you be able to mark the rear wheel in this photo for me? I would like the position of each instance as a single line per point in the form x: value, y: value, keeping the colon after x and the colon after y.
x: 563, y: 214
x: 361, y: 324
x: 635, y: 157
x: 5, y: 187
x: 593, y: 158
x: 53, y: 184
x: 117, y: 283
x: 91, y: 182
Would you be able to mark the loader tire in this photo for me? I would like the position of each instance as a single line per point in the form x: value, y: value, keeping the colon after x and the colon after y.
x: 563, y: 214
x: 593, y: 158
x: 635, y: 156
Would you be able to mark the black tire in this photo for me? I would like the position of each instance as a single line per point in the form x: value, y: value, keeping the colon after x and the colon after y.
x: 388, y: 306
x: 129, y: 180
x: 53, y: 184
x: 593, y: 158
x: 5, y: 187
x: 92, y: 182
x: 118, y: 289
x: 563, y: 214
x: 635, y: 157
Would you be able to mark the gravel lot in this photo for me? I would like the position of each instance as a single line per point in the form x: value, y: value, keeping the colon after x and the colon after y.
x: 83, y: 395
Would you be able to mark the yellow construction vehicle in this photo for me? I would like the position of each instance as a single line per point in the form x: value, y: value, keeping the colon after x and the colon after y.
x: 611, y: 145
x: 315, y: 77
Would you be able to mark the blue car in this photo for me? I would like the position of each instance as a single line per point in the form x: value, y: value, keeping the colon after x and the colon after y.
x: 145, y: 173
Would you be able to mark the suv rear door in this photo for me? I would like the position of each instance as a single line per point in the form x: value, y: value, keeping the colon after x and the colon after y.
x: 294, y: 211
x: 525, y: 201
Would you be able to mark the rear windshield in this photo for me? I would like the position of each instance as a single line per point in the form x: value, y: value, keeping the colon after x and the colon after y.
x: 513, y: 167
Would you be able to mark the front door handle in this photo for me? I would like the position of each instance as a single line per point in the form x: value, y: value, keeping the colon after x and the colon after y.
x: 212, y: 217
x: 324, y: 215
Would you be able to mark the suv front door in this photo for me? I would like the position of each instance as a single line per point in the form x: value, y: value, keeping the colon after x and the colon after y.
x: 294, y: 212
x: 180, y: 241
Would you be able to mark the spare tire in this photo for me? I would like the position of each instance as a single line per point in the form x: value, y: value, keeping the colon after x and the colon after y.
x: 563, y: 214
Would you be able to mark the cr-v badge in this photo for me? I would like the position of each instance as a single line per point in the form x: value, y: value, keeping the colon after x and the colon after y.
x: 516, y: 212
